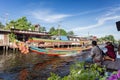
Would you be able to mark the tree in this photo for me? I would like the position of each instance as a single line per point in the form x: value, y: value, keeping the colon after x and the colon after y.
x: 10, y: 25
x: 12, y: 37
x: 52, y: 29
x: 119, y: 42
x: 70, y: 33
x: 21, y: 23
x: 110, y: 38
x: 42, y: 29
x: 59, y: 32
x: 32, y: 27
x: 107, y: 38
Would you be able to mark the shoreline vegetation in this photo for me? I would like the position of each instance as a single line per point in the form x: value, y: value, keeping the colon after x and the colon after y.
x: 83, y: 71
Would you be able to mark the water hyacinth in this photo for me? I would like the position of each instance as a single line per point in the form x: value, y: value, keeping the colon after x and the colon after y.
x: 115, y: 76
x: 118, y: 74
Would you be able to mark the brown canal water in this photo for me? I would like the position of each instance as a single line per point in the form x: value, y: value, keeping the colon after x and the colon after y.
x: 18, y: 66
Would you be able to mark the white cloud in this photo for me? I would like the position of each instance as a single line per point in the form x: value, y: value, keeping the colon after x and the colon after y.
x: 109, y: 16
x: 91, y: 11
x: 99, y: 23
x: 112, y: 11
x: 48, y: 16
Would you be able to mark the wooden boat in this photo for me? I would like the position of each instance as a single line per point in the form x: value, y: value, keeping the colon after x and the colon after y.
x: 54, y: 52
x: 52, y: 43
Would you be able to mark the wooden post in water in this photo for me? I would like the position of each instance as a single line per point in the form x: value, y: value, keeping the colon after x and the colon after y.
x: 7, y: 48
x: 13, y: 50
x: 6, y: 42
x: 3, y: 49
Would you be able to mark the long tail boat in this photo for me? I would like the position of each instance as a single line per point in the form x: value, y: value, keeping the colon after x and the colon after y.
x: 55, y: 51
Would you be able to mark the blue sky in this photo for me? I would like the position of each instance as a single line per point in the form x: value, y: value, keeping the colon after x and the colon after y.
x: 93, y: 17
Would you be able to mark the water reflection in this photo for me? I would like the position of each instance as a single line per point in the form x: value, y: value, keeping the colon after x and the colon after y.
x: 17, y: 66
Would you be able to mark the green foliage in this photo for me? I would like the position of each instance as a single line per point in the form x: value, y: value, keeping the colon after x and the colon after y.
x: 10, y: 25
x: 32, y: 28
x: 42, y: 29
x: 79, y: 71
x: 52, y: 29
x: 70, y: 33
x: 12, y: 37
x: 59, y: 32
x: 21, y: 23
x: 110, y: 38
x: 118, y: 41
x: 54, y: 77
x: 107, y: 38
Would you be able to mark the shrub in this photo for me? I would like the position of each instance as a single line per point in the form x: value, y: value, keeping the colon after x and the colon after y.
x: 82, y: 71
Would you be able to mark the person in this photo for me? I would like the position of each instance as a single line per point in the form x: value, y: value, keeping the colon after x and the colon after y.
x: 96, y: 54
x: 110, y: 54
x: 83, y: 44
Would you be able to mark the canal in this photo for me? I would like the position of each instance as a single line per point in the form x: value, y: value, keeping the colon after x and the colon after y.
x: 18, y: 66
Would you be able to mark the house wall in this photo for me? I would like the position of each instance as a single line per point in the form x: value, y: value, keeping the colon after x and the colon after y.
x: 4, y: 39
x: 1, y: 39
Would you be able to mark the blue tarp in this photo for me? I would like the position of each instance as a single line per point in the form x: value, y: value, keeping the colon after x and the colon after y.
x: 64, y: 38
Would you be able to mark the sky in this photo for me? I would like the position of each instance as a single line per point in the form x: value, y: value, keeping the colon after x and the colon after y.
x: 83, y: 17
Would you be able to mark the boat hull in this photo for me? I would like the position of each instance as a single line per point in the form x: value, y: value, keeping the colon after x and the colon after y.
x: 52, y: 52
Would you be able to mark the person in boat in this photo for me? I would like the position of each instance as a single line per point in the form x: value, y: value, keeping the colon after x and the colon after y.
x: 83, y: 45
x: 110, y: 54
x: 96, y: 54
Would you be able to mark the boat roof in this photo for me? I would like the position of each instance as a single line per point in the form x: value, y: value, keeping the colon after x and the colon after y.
x: 50, y: 40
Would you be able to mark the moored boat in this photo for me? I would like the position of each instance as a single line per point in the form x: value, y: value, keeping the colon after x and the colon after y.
x: 54, y: 52
x: 55, y: 47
